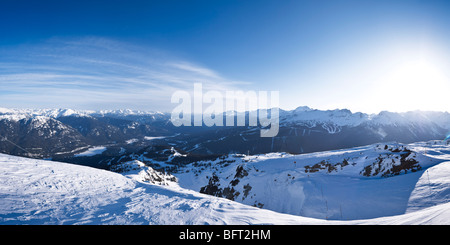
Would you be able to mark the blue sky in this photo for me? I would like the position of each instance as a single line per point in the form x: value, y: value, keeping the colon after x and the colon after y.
x: 362, y: 55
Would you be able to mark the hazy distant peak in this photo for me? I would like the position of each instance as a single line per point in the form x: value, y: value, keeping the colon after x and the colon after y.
x: 303, y: 108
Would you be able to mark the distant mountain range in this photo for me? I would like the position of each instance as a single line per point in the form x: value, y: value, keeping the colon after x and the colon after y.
x: 63, y: 133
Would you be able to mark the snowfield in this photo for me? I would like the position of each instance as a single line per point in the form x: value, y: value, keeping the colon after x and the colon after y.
x: 46, y: 192
x: 92, y: 151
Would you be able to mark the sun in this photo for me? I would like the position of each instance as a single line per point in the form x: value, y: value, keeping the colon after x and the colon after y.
x: 418, y: 84
x: 417, y: 78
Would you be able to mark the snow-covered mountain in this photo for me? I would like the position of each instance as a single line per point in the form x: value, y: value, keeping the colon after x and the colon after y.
x: 344, y: 117
x: 306, y: 130
x: 46, y: 192
x: 303, y: 130
x: 50, y: 133
x: 55, y: 113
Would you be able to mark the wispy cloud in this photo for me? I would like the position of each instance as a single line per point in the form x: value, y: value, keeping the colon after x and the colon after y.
x: 98, y: 73
x: 195, y: 69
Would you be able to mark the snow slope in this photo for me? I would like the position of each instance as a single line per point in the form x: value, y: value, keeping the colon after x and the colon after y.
x: 359, y: 183
x: 46, y: 192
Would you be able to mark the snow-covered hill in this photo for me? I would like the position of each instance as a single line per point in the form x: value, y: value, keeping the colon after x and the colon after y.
x: 358, y: 183
x: 46, y: 192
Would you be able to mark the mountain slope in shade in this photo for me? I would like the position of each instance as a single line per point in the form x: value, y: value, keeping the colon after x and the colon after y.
x: 45, y: 192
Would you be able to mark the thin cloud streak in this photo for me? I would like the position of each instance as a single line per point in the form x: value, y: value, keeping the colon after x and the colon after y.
x: 195, y: 69
x: 98, y: 73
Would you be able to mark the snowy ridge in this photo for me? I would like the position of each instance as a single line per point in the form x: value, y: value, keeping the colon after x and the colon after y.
x: 57, y: 113
x: 139, y: 171
x: 127, y: 112
x: 311, y: 117
x: 302, y: 115
x: 306, y: 116
x: 40, y: 114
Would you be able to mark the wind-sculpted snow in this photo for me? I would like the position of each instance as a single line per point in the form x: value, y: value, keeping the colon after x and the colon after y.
x: 45, y: 192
